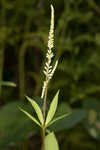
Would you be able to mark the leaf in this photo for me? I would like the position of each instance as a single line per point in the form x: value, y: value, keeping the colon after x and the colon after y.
x: 7, y: 83
x: 39, y: 101
x: 91, y: 103
x: 31, y: 117
x: 92, y: 121
x: 58, y: 118
x: 37, y: 109
x: 12, y: 122
x: 51, y: 142
x: 52, y: 109
x: 69, y: 121
x: 62, y: 109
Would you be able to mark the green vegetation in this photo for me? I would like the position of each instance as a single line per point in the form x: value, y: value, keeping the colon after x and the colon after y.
x: 24, y: 27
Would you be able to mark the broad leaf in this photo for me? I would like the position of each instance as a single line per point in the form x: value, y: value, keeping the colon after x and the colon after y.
x: 31, y: 117
x: 52, y: 109
x: 51, y: 142
x: 37, y: 109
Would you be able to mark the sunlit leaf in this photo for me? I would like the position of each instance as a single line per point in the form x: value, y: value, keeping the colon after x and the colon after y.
x: 52, y: 109
x: 51, y: 142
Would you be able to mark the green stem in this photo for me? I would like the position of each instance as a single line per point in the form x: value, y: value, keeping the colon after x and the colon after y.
x: 44, y: 103
x: 1, y: 68
x: 2, y: 42
x: 22, y: 70
x: 43, y: 138
x: 44, y: 115
x: 22, y: 52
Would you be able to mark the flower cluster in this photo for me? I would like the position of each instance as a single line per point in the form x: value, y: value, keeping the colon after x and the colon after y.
x: 49, y: 69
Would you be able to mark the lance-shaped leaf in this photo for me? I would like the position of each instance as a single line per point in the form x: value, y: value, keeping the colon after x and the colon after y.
x: 37, y: 109
x: 51, y: 142
x: 52, y: 109
x: 58, y: 118
x: 31, y: 117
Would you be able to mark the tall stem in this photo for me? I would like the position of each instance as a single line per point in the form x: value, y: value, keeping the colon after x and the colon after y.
x: 44, y: 115
x: 22, y: 70
x: 44, y: 103
x: 48, y: 71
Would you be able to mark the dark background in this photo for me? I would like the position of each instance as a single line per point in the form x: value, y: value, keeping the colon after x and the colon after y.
x: 24, y: 28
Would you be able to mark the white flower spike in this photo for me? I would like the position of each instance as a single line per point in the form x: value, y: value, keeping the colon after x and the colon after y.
x: 49, y: 69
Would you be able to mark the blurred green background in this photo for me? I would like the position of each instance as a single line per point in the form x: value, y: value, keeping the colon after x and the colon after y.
x: 24, y: 27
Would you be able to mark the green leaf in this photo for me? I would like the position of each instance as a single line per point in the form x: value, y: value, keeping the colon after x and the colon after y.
x: 51, y: 142
x: 31, y: 117
x: 7, y: 83
x: 52, y: 109
x: 92, y: 121
x: 58, y: 118
x: 91, y: 103
x: 70, y: 121
x: 37, y: 109
x: 13, y: 121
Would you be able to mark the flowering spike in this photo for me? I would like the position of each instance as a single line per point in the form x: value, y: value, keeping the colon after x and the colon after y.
x: 48, y: 69
x: 51, y: 32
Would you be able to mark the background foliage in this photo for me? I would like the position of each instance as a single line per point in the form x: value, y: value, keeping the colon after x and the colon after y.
x: 24, y: 26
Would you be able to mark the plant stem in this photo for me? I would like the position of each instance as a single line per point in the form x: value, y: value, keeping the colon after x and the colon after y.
x: 44, y: 103
x: 1, y: 67
x: 22, y: 70
x: 44, y: 115
x: 43, y: 138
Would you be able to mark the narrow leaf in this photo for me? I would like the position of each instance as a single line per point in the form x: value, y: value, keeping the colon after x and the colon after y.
x: 31, y: 117
x: 37, y: 109
x: 58, y: 118
x: 51, y: 142
x: 52, y: 109
x: 7, y: 83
